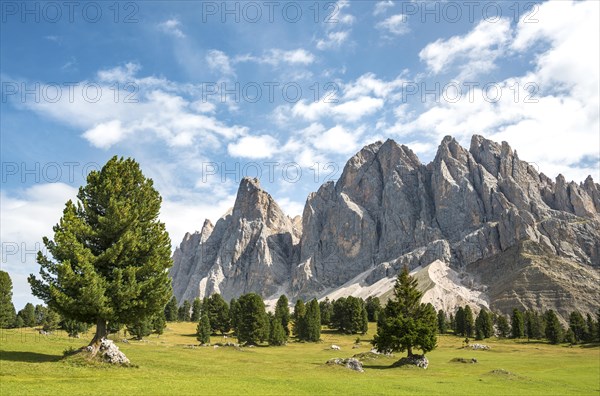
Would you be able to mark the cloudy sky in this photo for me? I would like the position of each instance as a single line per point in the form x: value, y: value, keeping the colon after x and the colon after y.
x: 204, y: 93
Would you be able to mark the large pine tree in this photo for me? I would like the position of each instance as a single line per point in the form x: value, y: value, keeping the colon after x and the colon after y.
x: 408, y: 323
x: 110, y: 254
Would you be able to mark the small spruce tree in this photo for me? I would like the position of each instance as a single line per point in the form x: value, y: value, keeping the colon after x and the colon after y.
x: 578, y: 325
x: 442, y: 323
x: 171, y: 311
x: 277, y: 336
x: 312, y: 320
x: 196, y: 310
x: 517, y: 324
x: 203, y: 329
x: 469, y: 322
x: 7, y: 309
x: 299, y: 322
x: 554, y: 330
x: 282, y: 313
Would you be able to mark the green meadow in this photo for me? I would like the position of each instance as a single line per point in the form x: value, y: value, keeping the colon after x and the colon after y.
x: 168, y: 364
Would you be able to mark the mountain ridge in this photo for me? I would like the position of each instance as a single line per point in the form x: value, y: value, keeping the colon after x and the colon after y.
x: 388, y: 210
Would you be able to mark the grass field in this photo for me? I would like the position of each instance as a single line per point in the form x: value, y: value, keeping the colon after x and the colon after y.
x: 33, y: 364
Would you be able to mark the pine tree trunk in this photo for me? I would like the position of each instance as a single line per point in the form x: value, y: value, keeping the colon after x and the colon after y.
x: 101, y: 333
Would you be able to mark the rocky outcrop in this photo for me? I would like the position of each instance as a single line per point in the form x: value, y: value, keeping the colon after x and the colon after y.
x: 475, y: 210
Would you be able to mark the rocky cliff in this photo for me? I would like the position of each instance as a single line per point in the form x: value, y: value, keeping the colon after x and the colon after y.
x: 529, y: 241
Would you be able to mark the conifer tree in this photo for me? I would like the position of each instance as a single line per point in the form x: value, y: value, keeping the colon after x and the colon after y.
x: 442, y: 323
x: 234, y: 309
x: 218, y: 314
x: 110, y: 254
x: 203, y: 329
x: 277, y: 336
x: 183, y: 313
x: 373, y: 306
x: 408, y: 323
x: 253, y: 322
x: 159, y: 323
x: 517, y: 324
x: 364, y: 319
x: 326, y: 309
x: 7, y: 309
x: 73, y: 327
x: 578, y: 325
x: 171, y: 311
x: 469, y: 322
x: 460, y: 322
x: 554, y: 330
x: 503, y: 326
x: 591, y: 327
x: 196, y: 310
x: 299, y: 323
x: 282, y: 313
x: 312, y: 320
x: 27, y: 314
x: 484, y: 327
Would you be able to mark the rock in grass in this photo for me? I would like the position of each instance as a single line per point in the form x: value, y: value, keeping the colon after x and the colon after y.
x: 414, y: 360
x: 351, y: 363
x: 110, y: 353
x: 463, y: 360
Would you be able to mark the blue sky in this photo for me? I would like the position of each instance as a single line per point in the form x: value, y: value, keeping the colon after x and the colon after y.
x: 138, y: 78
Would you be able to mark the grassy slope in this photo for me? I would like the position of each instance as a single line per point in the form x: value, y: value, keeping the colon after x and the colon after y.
x: 31, y: 363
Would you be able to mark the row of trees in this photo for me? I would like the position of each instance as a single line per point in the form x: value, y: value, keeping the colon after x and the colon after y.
x: 528, y: 324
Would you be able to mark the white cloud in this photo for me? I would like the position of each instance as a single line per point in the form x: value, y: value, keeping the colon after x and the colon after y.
x: 276, y: 56
x: 105, y: 134
x: 123, y: 74
x: 158, y: 110
x: 263, y: 146
x: 172, y: 26
x: 476, y: 50
x: 333, y: 40
x: 339, y: 140
x: 381, y: 7
x: 337, y: 27
x: 560, y: 127
x: 369, y: 84
x: 395, y: 24
x: 298, y: 56
x: 218, y: 61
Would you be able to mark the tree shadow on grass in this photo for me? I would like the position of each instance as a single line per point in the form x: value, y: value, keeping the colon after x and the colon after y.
x: 28, y: 357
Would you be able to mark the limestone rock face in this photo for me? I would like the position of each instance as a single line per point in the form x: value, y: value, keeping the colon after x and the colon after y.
x: 248, y: 250
x: 470, y: 208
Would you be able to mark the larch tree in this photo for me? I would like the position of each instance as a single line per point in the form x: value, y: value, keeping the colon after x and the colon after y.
x: 110, y: 254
